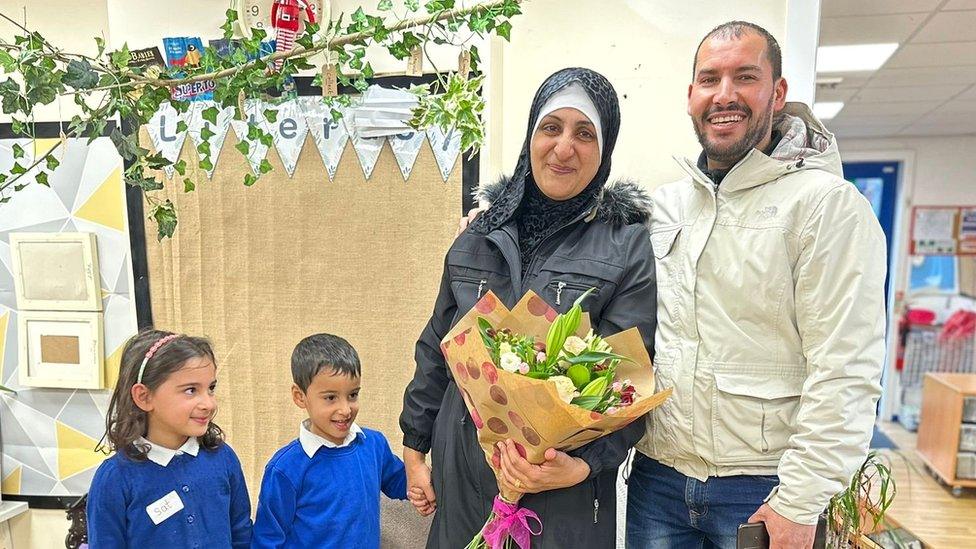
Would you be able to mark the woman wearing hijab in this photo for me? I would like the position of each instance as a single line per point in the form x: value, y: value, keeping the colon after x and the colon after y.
x: 556, y: 228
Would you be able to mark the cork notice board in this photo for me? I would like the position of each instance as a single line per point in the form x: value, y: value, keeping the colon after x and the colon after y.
x: 257, y: 269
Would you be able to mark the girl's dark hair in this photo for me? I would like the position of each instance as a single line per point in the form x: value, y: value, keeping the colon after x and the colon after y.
x: 125, y: 422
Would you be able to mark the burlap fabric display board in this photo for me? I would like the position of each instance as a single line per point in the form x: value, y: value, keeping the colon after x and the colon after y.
x: 257, y: 269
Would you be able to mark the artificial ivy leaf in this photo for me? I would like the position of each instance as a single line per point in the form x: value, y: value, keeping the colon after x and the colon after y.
x: 188, y: 185
x: 180, y: 167
x: 210, y: 114
x: 121, y: 57
x: 412, y: 5
x: 504, y: 30
x: 265, y: 166
x: 18, y: 151
x: 368, y: 71
x: 180, y: 126
x: 271, y: 115
x: 206, y: 132
x: 203, y: 149
x: 266, y: 139
x: 206, y: 164
x: 17, y: 169
x: 250, y: 179
x: 385, y: 5
x: 80, y: 75
x: 42, y: 179
x: 7, y: 61
x: 244, y: 147
x: 100, y: 42
x: 231, y: 15
x: 165, y: 217
x: 52, y: 162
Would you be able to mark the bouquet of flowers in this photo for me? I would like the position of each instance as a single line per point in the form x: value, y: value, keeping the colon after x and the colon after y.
x: 545, y: 381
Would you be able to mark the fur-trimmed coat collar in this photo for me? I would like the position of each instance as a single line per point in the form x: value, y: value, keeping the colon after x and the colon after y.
x: 623, y: 202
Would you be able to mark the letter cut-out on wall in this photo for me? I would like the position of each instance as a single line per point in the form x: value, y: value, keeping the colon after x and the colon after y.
x: 162, y: 132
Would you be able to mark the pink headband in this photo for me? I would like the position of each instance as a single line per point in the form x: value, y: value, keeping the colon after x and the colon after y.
x: 152, y: 351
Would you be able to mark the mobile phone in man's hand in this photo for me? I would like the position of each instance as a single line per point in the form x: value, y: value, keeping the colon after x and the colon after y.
x: 755, y: 536
x: 752, y: 536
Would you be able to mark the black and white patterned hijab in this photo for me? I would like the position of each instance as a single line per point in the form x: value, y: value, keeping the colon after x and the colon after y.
x: 537, y: 215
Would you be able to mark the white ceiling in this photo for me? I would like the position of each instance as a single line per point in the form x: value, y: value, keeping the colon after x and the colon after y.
x: 928, y: 87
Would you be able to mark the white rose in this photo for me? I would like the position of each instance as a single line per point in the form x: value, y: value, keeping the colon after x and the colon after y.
x: 565, y: 387
x: 510, y: 362
x: 574, y: 345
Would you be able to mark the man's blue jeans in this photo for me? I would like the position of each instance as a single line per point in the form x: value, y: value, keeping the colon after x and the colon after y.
x: 666, y: 509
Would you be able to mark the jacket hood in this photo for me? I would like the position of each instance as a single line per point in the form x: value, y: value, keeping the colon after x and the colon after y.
x: 622, y: 202
x: 806, y: 145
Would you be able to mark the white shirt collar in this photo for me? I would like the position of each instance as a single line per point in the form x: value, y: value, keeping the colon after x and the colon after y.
x: 311, y: 442
x: 162, y: 455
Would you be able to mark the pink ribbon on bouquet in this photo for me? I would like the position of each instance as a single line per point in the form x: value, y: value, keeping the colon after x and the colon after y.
x: 511, y: 521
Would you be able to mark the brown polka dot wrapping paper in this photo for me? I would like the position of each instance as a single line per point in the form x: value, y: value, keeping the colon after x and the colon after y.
x: 505, y: 405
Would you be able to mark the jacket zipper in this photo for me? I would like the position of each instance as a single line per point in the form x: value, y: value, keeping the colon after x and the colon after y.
x: 596, y: 501
x: 559, y: 292
x: 480, y: 281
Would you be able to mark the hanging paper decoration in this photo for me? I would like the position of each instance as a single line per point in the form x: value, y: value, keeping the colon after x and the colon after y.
x: 330, y: 135
x: 406, y: 147
x: 289, y: 130
x: 384, y: 112
x: 187, y: 51
x: 254, y: 111
x: 368, y: 150
x: 446, y: 147
x: 215, y: 132
x: 162, y: 132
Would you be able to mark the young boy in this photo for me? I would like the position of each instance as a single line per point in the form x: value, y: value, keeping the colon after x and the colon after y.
x: 323, y: 489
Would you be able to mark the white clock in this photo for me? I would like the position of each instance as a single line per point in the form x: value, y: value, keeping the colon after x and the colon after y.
x: 257, y: 14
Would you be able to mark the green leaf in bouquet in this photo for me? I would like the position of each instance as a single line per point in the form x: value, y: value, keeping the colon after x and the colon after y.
x: 483, y: 327
x: 587, y: 402
x: 594, y: 357
x: 537, y: 375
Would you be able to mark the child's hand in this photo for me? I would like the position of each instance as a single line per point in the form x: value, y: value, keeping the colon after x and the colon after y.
x: 420, y: 502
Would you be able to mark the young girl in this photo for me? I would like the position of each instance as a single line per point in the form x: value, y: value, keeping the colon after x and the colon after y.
x: 173, y: 481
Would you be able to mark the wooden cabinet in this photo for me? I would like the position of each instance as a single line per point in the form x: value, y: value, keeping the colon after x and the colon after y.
x: 941, y: 422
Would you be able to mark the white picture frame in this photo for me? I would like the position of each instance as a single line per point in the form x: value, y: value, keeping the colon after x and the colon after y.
x: 56, y: 271
x: 61, y: 349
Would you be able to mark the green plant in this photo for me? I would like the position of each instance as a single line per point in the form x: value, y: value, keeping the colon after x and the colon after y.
x: 106, y: 87
x: 862, y: 506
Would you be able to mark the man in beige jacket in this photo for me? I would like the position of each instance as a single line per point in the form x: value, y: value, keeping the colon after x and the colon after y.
x: 770, y: 273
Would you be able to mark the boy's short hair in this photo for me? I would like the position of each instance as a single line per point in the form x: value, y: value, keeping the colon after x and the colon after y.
x: 320, y: 351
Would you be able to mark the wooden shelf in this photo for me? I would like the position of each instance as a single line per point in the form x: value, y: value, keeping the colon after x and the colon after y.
x: 941, y: 417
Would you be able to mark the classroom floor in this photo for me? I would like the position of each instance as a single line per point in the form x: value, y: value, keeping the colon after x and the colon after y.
x: 923, y: 506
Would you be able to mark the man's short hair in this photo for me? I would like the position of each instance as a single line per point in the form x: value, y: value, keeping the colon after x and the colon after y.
x: 323, y: 351
x: 734, y: 30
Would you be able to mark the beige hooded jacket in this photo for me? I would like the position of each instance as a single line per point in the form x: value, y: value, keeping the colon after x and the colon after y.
x: 771, y: 320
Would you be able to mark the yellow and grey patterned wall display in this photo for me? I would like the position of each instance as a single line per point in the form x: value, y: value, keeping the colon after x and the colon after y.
x: 49, y: 435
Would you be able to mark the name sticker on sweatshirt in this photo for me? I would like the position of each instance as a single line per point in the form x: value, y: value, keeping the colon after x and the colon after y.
x: 164, y: 507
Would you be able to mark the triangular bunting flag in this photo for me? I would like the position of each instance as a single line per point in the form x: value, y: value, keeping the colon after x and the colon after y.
x: 406, y: 147
x: 196, y: 124
x: 162, y: 132
x: 330, y: 135
x: 254, y: 111
x: 289, y: 132
x: 368, y: 151
x: 446, y: 147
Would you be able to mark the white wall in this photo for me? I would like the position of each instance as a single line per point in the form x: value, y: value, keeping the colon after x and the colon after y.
x: 645, y: 48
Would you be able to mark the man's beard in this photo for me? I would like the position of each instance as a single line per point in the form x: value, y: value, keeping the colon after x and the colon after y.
x: 728, y: 155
